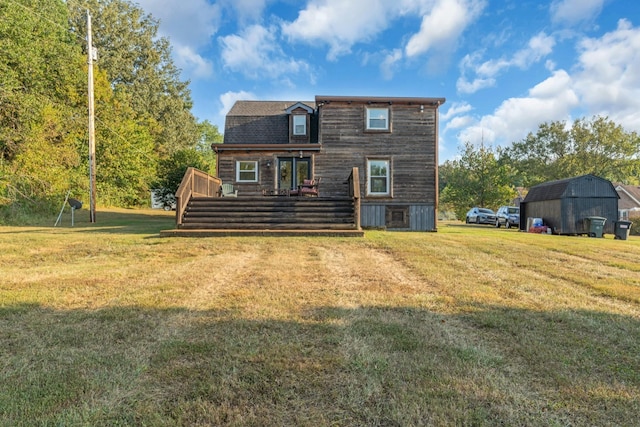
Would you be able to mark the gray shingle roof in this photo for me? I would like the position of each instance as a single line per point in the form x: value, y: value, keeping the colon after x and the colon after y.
x: 264, y: 108
x: 551, y: 190
x: 259, y: 122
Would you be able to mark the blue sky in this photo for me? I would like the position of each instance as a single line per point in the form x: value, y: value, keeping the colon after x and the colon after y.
x: 503, y: 66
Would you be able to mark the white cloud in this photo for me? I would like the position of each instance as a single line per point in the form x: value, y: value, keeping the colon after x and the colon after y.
x: 441, y: 27
x: 537, y: 48
x: 389, y: 63
x: 187, y: 59
x: 552, y: 87
x: 608, y: 79
x: 459, y: 122
x: 339, y: 23
x: 455, y: 109
x: 227, y: 100
x: 551, y: 100
x: 247, y: 10
x: 465, y: 86
x: 191, y: 23
x: 572, y: 12
x: 256, y: 54
x: 550, y: 65
x: 470, y: 62
x: 606, y: 82
x: 189, y: 26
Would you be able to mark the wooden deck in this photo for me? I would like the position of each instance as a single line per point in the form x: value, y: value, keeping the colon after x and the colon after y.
x: 202, y: 212
x: 267, y: 216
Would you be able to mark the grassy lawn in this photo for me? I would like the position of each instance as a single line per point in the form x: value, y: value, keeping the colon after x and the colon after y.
x: 107, y: 324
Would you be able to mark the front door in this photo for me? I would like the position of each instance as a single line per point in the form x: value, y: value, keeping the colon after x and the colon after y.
x: 292, y: 171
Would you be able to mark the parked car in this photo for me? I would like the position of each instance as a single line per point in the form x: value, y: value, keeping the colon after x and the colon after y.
x: 509, y: 216
x: 481, y: 216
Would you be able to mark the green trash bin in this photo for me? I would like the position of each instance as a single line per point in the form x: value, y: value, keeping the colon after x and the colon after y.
x: 622, y: 229
x: 594, y: 225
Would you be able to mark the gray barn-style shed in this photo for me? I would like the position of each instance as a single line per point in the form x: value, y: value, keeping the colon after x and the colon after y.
x: 564, y: 204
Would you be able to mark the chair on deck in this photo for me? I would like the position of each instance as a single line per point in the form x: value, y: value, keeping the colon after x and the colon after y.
x: 309, y: 187
x: 228, y: 191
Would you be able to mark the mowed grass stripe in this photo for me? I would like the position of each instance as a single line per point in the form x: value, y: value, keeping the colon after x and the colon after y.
x: 109, y: 324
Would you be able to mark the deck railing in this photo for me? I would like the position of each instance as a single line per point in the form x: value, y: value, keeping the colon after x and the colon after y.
x: 195, y: 183
x: 354, y: 192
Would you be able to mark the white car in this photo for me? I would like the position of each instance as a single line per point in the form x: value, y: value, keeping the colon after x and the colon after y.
x: 480, y: 216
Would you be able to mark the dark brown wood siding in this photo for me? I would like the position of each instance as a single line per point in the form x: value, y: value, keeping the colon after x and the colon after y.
x: 410, y: 146
x: 266, y: 174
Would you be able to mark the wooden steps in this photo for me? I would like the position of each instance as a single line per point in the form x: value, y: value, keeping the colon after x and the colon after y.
x: 268, y: 215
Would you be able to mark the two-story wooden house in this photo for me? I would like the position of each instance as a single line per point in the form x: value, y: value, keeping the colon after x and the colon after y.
x: 275, y: 147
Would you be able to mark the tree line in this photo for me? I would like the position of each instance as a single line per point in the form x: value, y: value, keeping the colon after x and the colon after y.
x: 487, y: 177
x: 144, y: 125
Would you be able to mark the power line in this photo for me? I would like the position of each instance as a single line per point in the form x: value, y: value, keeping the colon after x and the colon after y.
x: 33, y: 12
x: 45, y: 18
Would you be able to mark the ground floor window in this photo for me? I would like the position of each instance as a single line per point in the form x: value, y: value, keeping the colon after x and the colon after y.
x: 378, y: 176
x: 246, y: 171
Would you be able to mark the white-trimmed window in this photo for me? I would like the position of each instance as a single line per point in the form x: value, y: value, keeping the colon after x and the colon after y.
x: 299, y: 125
x: 377, y: 119
x: 246, y: 171
x: 378, y: 176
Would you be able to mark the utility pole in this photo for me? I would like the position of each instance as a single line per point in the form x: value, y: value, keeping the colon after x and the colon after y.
x: 92, y: 132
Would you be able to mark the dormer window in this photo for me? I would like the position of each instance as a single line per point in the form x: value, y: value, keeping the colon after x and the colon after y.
x: 377, y: 119
x: 300, y: 125
x: 299, y: 117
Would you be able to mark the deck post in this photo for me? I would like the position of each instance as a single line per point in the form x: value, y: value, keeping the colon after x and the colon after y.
x: 354, y: 191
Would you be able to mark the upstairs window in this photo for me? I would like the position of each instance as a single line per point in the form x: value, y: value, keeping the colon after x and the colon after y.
x: 377, y: 119
x: 246, y: 171
x: 299, y: 125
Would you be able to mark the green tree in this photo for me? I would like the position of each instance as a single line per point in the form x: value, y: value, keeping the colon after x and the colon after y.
x: 142, y: 107
x: 126, y: 159
x: 557, y: 151
x: 41, y: 84
x: 209, y: 135
x: 39, y: 64
x: 172, y: 170
x: 139, y: 67
x: 476, y: 179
